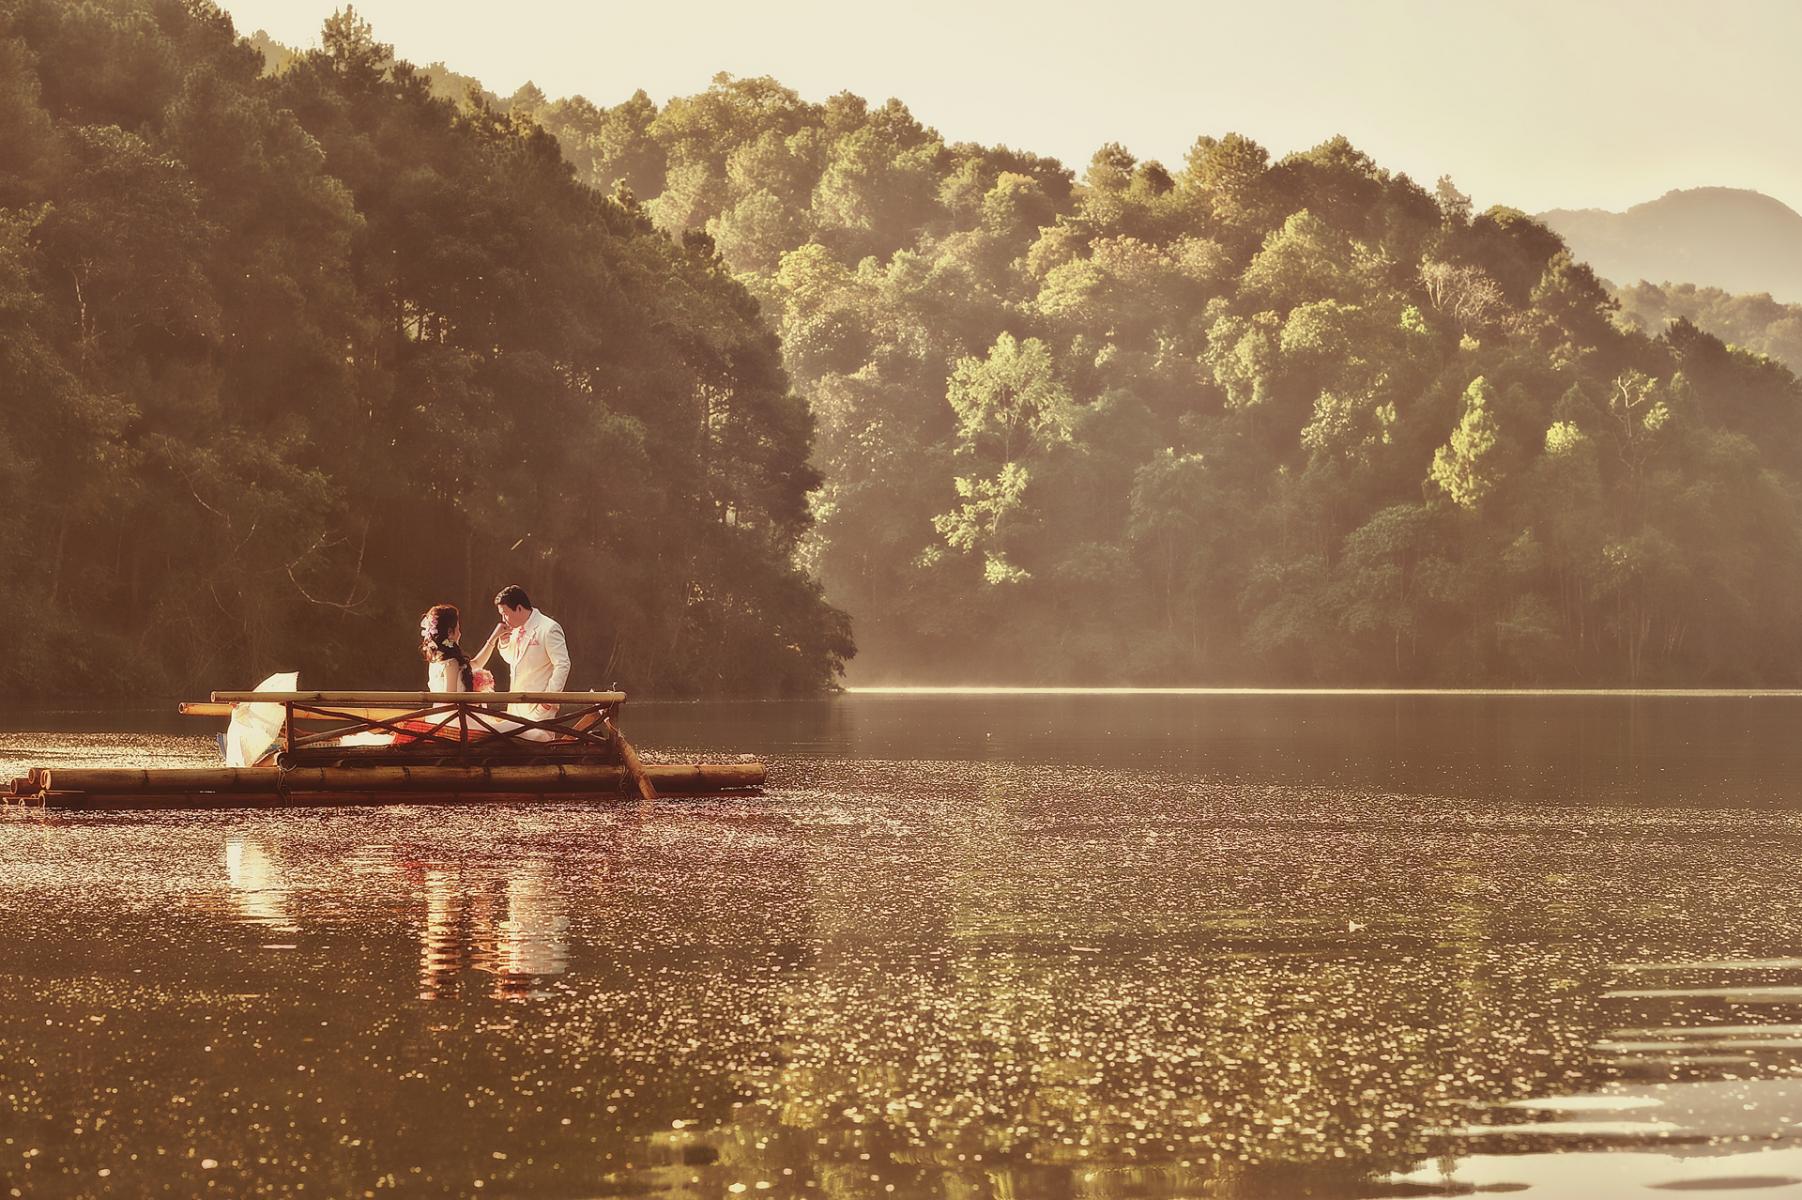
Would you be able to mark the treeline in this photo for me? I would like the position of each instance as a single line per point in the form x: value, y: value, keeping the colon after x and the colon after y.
x: 1234, y: 420
x: 1754, y: 321
x: 290, y: 348
x: 286, y: 357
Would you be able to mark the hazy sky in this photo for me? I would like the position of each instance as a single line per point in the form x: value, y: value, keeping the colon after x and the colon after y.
x: 1536, y: 103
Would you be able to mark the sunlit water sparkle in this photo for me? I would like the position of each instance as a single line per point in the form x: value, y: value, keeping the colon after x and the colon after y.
x: 988, y: 946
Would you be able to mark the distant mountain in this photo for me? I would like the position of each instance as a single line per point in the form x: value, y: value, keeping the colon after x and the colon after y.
x: 1729, y: 238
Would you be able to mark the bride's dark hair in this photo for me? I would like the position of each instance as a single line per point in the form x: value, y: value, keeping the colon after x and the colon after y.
x: 435, y: 640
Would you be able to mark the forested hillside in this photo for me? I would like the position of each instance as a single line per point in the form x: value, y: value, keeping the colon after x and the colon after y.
x: 1226, y: 420
x: 285, y: 358
x: 291, y: 349
x: 1756, y: 322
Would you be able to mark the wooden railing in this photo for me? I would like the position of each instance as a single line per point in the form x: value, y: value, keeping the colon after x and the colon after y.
x: 455, y: 722
x: 443, y: 720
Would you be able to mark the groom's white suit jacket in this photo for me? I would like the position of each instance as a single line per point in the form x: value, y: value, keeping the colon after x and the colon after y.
x: 537, y: 659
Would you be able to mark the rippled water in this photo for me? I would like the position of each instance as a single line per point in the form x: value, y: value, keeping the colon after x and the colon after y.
x: 1016, y: 946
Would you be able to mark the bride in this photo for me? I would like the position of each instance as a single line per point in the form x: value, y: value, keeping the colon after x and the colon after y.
x: 447, y: 667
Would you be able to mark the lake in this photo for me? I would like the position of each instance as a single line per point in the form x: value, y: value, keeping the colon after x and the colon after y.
x: 965, y: 946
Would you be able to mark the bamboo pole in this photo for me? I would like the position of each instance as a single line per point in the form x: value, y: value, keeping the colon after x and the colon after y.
x: 206, y: 708
x: 399, y: 781
x: 646, y: 789
x: 675, y: 779
x: 706, y: 777
x: 162, y: 779
x: 100, y: 802
x: 417, y: 699
x: 534, y: 777
x: 426, y: 751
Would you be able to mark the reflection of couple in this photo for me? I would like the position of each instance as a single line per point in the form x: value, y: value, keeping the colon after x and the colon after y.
x: 513, y: 925
x: 530, y: 643
x: 519, y: 937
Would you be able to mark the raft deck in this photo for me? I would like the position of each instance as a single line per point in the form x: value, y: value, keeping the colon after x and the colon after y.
x: 444, y: 748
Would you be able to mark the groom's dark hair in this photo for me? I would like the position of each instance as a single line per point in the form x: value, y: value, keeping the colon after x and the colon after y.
x: 513, y: 596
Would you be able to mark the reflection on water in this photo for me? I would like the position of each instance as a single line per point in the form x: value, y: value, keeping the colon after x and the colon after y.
x: 533, y: 940
x: 513, y: 930
x: 443, y: 950
x: 1621, y: 1173
x: 1415, y: 947
x: 508, y: 926
x: 256, y: 885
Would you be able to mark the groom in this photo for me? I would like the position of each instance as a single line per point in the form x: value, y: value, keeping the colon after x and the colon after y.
x: 536, y: 654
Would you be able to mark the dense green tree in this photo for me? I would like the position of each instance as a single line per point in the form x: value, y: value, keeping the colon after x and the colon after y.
x: 1242, y: 421
x: 287, y: 355
x: 1011, y: 412
x: 1308, y: 329
x: 1464, y: 468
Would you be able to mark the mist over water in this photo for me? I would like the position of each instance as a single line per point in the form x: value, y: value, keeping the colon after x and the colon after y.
x: 975, y: 945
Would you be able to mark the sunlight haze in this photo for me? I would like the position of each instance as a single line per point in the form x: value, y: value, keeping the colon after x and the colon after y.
x: 1621, y: 104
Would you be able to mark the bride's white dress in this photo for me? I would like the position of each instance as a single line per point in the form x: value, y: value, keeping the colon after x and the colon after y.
x: 445, y: 675
x: 438, y: 677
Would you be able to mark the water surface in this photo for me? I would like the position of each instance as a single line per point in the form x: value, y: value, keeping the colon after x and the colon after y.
x: 964, y: 946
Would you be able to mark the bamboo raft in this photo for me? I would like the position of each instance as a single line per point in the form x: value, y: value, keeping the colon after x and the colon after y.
x: 441, y: 748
